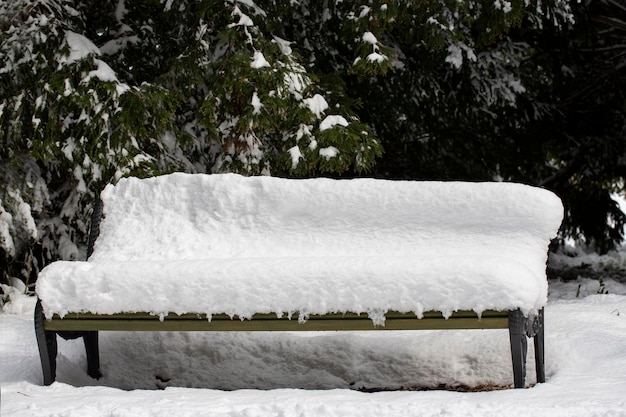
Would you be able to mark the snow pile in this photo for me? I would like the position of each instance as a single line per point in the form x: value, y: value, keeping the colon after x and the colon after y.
x: 302, y: 374
x: 229, y: 244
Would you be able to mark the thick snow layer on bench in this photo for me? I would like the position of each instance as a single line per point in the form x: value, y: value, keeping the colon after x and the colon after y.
x: 230, y: 244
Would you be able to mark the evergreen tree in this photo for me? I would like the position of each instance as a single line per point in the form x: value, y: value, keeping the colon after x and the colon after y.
x: 542, y: 105
x: 579, y: 117
x: 588, y: 131
x: 93, y: 91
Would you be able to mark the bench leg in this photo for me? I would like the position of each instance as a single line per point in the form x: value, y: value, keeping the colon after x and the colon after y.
x: 93, y: 354
x: 90, y: 339
x: 539, y: 348
x: 47, y: 344
x: 519, y: 347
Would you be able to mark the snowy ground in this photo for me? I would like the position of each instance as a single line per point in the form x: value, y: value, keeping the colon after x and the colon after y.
x: 335, y: 374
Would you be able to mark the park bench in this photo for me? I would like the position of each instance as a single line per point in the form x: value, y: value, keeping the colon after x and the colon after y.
x: 225, y: 252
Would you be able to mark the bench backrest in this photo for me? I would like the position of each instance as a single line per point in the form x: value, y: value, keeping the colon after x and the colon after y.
x: 182, y: 216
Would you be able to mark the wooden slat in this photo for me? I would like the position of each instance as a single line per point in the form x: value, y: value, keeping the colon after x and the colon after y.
x: 270, y: 322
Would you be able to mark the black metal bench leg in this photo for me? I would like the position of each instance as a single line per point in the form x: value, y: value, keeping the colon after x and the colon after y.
x: 519, y: 347
x: 93, y: 354
x: 90, y: 339
x: 47, y: 344
x: 539, y: 349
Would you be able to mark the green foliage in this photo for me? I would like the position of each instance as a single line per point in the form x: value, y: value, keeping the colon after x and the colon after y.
x: 579, y: 131
x: 94, y: 91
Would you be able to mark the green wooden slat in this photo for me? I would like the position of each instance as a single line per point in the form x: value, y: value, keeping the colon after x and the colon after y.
x: 269, y: 322
x: 272, y: 316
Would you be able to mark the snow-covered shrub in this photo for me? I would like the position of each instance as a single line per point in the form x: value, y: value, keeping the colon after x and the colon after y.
x: 23, y: 197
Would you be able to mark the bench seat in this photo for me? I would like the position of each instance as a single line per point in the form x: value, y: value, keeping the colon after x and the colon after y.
x: 371, y: 285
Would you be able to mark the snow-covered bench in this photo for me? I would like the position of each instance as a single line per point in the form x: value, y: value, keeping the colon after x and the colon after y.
x: 233, y: 253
